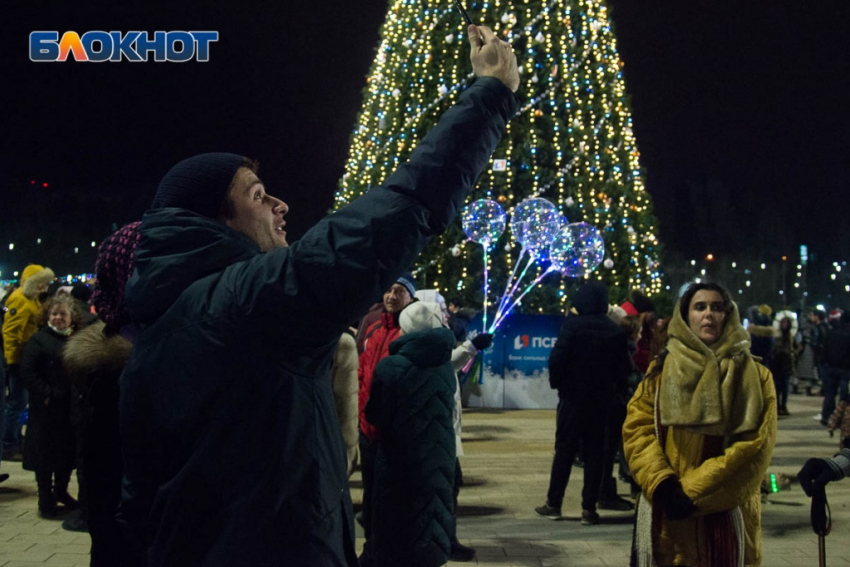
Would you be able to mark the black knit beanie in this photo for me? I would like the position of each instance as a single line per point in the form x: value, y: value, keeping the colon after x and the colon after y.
x: 198, y: 184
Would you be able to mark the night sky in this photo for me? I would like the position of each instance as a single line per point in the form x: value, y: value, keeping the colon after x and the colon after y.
x: 740, y: 112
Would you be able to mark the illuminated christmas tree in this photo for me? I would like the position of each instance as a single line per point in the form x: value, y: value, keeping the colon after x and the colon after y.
x: 572, y: 142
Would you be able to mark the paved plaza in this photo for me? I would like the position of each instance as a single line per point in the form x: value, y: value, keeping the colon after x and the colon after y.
x: 506, y: 467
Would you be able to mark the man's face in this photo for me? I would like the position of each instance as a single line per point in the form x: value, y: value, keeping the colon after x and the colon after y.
x: 396, y: 298
x: 256, y: 214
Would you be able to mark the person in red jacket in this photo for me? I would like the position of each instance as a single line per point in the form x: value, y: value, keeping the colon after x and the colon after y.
x: 376, y: 344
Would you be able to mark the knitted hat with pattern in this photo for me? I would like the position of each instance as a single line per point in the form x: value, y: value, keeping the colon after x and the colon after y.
x: 113, y: 268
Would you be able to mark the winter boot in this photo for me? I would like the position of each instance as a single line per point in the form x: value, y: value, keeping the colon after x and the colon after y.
x: 46, y: 503
x: 461, y: 552
x: 609, y: 500
x: 61, y: 492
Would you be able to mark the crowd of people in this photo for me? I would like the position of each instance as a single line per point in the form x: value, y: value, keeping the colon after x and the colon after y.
x: 218, y: 352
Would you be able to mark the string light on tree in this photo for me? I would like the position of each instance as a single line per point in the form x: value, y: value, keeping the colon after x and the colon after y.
x: 573, y: 140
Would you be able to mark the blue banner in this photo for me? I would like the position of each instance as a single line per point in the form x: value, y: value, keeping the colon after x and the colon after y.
x: 516, y: 373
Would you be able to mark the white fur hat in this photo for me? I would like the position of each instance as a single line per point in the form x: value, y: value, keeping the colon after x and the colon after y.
x: 420, y: 316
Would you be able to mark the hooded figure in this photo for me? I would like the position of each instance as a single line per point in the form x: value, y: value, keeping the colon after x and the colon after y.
x: 588, y: 365
x: 699, y: 436
x: 19, y: 325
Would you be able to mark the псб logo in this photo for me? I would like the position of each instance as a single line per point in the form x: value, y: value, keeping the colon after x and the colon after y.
x: 524, y: 341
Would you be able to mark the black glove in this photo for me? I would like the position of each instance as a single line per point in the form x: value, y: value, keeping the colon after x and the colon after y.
x: 815, y: 474
x: 670, y: 496
x: 482, y: 341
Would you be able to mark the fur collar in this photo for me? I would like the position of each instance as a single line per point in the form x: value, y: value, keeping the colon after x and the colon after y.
x: 89, y: 351
x: 711, y: 390
x: 30, y: 286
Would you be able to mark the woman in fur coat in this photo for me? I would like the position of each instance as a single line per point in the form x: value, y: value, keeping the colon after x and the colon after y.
x: 345, y: 385
x: 699, y: 436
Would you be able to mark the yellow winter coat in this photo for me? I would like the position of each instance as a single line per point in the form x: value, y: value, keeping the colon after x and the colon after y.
x: 717, y: 484
x: 24, y: 310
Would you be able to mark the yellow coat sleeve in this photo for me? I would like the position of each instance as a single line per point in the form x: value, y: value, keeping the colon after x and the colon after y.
x: 15, y: 326
x: 729, y: 480
x: 646, y: 458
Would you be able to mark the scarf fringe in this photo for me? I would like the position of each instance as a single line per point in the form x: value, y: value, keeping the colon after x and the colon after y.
x: 642, y: 538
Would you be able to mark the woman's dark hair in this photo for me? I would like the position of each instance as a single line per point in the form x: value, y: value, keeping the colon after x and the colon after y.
x: 684, y: 307
x: 691, y: 291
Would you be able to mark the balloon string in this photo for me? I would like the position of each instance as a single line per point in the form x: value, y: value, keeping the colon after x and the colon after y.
x: 531, y: 258
x: 507, y: 312
x: 486, y: 285
x: 510, y: 279
x: 513, y: 288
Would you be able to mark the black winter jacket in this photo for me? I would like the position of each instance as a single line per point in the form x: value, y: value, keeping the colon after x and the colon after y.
x: 51, y: 440
x: 232, y: 448
x: 412, y: 403
x: 836, y: 348
x: 590, y: 362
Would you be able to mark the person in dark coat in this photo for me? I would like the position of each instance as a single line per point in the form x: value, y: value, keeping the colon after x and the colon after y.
x: 761, y: 333
x: 94, y: 359
x: 232, y: 448
x: 411, y: 403
x: 589, y: 363
x: 836, y: 361
x: 51, y: 439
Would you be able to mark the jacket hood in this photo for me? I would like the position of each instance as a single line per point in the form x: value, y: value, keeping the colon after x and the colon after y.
x: 89, y: 351
x: 33, y: 277
x: 177, y: 248
x: 427, y: 348
x: 591, y: 299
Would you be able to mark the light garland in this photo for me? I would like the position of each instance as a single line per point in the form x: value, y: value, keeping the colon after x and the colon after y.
x: 572, y: 140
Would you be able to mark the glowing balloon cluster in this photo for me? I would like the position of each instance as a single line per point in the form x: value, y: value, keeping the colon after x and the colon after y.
x: 575, y: 249
x: 542, y: 232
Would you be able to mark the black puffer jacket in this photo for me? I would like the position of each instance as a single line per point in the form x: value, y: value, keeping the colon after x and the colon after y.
x: 411, y: 403
x: 232, y: 448
x: 590, y: 361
